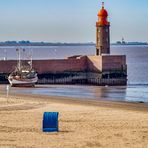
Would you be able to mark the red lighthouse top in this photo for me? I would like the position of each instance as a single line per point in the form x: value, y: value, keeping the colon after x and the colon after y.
x: 103, y: 12
x: 102, y: 15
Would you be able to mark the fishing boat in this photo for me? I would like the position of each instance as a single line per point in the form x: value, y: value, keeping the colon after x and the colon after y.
x: 23, y: 75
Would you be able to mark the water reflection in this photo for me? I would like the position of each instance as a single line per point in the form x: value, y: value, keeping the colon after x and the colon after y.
x: 132, y: 93
x: 111, y: 93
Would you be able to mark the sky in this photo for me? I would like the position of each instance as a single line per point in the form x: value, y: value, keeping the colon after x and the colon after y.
x: 71, y: 20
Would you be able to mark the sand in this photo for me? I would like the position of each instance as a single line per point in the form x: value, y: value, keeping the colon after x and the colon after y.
x: 82, y: 124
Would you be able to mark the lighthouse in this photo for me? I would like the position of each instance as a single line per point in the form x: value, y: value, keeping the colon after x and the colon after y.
x: 102, y: 32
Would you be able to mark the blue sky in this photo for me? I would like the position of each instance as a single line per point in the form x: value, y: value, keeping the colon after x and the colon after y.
x: 71, y: 20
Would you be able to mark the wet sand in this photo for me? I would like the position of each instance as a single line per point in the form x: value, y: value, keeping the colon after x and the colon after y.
x: 82, y: 123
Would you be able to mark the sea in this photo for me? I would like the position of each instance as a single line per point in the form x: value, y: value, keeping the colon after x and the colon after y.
x: 137, y: 65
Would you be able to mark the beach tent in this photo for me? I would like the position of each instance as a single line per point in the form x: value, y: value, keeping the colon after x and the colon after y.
x: 50, y: 122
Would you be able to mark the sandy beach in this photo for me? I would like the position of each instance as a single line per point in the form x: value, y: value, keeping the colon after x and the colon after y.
x: 82, y: 124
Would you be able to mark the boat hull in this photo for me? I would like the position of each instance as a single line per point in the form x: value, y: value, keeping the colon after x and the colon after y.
x: 22, y: 82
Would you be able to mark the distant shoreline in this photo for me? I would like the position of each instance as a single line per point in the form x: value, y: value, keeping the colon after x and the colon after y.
x: 27, y: 43
x: 45, y: 44
x: 128, y: 44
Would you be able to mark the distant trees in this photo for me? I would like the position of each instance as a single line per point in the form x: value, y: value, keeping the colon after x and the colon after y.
x: 28, y: 43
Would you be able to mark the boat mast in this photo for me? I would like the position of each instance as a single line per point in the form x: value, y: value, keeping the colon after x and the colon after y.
x: 19, y: 58
x: 23, y: 56
x: 5, y: 54
x: 31, y: 59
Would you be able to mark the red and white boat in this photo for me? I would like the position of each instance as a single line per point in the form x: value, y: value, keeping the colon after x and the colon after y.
x: 23, y: 78
x: 23, y: 75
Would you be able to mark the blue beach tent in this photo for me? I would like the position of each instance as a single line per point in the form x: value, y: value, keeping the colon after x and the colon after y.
x: 50, y: 122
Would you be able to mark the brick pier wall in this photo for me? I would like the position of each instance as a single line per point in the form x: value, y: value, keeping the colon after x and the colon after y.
x: 75, y: 70
x: 71, y: 64
x: 49, y: 66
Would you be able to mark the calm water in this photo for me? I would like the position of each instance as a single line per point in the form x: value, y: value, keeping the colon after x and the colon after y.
x: 137, y: 61
x: 129, y: 93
